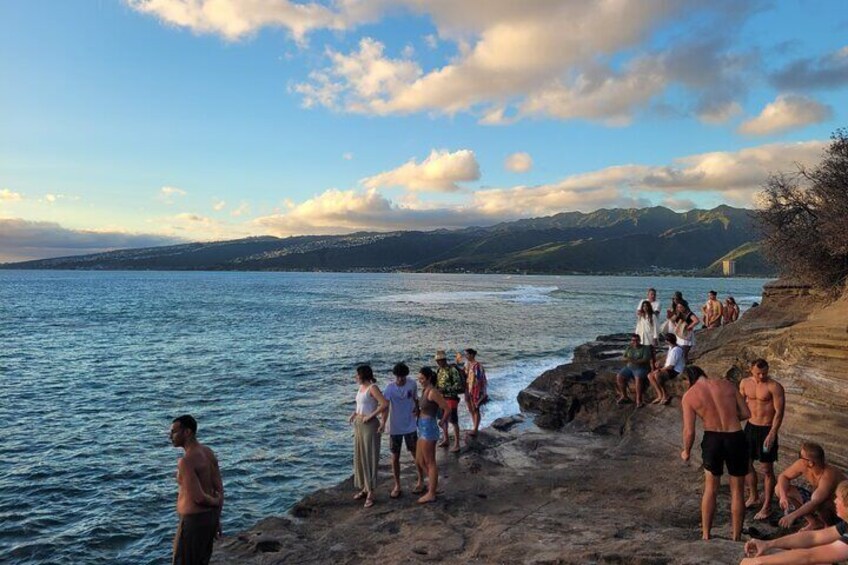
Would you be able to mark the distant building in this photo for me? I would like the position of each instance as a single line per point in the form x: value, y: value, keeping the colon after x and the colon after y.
x: 728, y: 268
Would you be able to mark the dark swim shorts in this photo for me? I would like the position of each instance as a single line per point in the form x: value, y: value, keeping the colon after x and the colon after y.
x: 193, y: 542
x: 395, y: 442
x: 756, y: 436
x: 720, y: 448
x: 453, y: 417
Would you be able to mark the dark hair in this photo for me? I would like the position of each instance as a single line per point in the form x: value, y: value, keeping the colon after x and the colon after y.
x: 400, y: 370
x: 186, y: 422
x: 714, y: 293
x: 671, y: 338
x: 814, y: 451
x: 365, y: 373
x: 652, y: 289
x: 731, y: 300
x: 759, y: 363
x: 693, y: 373
x: 430, y: 375
x: 636, y: 336
x: 677, y: 295
x: 471, y: 351
x: 650, y: 308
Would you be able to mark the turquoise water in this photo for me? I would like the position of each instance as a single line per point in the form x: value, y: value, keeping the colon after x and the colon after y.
x: 94, y: 365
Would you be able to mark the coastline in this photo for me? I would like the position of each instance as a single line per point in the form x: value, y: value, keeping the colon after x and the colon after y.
x: 584, y: 480
x: 523, y: 492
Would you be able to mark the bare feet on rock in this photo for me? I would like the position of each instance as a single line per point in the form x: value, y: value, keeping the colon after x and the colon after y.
x: 443, y: 443
x: 763, y: 514
x: 419, y: 488
x: 751, y: 503
x: 657, y: 400
x: 427, y: 498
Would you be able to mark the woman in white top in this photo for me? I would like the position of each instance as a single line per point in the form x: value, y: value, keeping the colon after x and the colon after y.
x: 646, y: 324
x: 370, y: 403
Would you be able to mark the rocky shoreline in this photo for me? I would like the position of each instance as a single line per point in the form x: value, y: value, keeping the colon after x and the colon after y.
x: 586, y: 481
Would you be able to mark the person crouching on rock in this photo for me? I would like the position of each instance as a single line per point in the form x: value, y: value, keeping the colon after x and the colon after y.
x: 450, y: 385
x: 812, y: 546
x: 816, y: 506
x: 674, y: 363
x: 721, y: 408
x: 640, y: 360
x: 370, y: 403
x: 402, y: 396
x: 428, y: 431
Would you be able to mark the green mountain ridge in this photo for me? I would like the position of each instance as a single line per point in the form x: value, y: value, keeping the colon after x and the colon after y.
x: 606, y: 241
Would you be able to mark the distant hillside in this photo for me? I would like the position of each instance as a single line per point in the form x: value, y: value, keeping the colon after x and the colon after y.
x: 606, y: 241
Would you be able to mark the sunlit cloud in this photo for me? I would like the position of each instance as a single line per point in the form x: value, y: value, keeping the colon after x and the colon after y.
x: 439, y: 172
x: 519, y: 163
x: 242, y: 209
x: 167, y: 194
x: 7, y: 195
x: 218, y: 204
x: 787, y: 112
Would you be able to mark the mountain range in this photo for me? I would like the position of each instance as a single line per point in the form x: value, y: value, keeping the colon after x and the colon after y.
x: 607, y: 241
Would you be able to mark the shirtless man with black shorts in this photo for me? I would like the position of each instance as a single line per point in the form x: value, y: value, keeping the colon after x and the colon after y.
x: 766, y: 400
x: 200, y: 498
x: 721, y: 408
x: 815, y: 504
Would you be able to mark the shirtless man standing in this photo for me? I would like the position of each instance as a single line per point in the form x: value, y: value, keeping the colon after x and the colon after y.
x: 766, y: 400
x: 815, y: 507
x: 200, y: 498
x: 721, y: 408
x: 712, y: 310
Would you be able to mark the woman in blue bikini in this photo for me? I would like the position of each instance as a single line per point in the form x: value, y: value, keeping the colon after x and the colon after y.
x: 428, y: 431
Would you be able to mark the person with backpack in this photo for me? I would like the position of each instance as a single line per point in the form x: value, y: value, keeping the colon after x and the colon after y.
x: 449, y: 383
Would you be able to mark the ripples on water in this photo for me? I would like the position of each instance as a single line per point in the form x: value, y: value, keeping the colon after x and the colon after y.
x: 95, y: 365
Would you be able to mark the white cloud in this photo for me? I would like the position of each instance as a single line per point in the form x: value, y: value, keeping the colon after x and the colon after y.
x: 243, y: 209
x: 168, y: 193
x: 519, y: 163
x: 234, y: 19
x: 733, y: 177
x: 439, y: 172
x: 7, y: 195
x: 218, y: 204
x: 787, y: 112
x: 431, y: 40
x: 542, y: 59
x: 347, y: 156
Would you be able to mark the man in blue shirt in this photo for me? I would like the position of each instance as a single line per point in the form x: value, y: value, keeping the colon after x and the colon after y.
x: 402, y: 394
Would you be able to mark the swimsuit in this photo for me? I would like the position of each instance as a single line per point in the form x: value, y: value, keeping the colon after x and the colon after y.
x: 718, y: 448
x: 428, y: 428
x: 756, y: 436
x: 195, y: 534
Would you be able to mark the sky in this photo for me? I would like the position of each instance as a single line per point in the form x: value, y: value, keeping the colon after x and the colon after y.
x: 132, y: 123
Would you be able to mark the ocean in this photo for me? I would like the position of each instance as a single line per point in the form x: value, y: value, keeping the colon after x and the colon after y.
x: 95, y: 365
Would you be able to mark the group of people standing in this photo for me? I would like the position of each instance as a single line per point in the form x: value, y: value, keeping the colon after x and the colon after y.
x: 415, y: 420
x: 679, y: 319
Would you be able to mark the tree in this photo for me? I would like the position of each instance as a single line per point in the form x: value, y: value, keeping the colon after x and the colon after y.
x: 804, y: 219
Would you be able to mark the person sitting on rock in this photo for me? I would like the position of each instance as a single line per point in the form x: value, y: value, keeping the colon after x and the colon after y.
x: 815, y: 507
x: 818, y: 546
x: 640, y: 361
x: 674, y: 365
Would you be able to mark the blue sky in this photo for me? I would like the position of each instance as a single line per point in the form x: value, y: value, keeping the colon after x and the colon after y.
x: 142, y: 122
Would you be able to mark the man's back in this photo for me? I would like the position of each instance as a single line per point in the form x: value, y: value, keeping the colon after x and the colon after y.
x: 200, y: 462
x: 716, y: 402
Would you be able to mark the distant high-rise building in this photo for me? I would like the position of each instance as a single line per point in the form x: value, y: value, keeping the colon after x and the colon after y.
x: 728, y: 268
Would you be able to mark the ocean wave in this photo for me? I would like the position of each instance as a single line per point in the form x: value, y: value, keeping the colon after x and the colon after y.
x: 525, y: 294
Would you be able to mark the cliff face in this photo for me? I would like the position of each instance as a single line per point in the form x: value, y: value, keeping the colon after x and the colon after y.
x: 804, y: 337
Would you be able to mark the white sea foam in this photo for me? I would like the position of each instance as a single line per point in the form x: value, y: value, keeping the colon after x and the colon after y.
x: 525, y: 294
